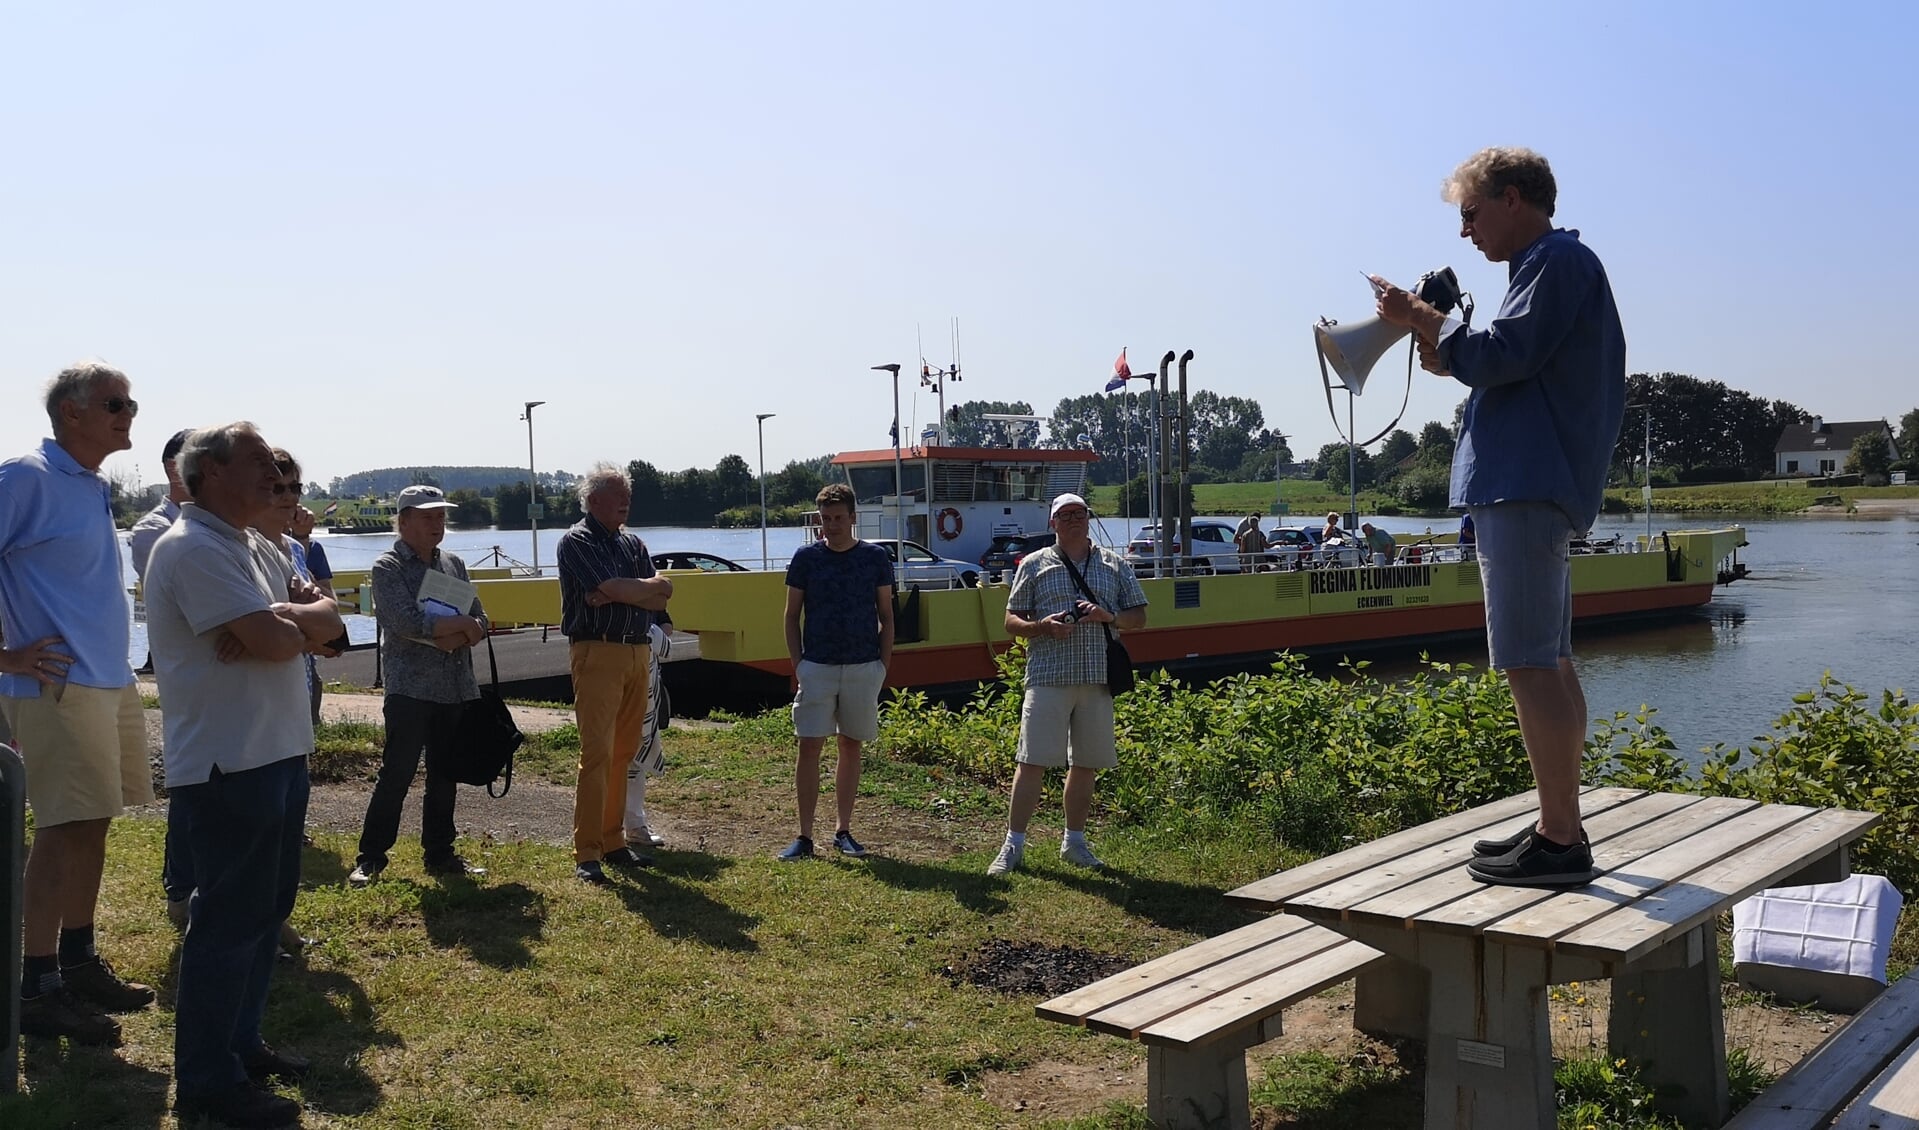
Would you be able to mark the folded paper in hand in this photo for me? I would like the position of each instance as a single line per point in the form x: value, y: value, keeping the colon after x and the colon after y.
x: 448, y: 590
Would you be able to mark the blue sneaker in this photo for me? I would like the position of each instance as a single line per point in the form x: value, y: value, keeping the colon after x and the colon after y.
x: 800, y: 848
x: 847, y: 845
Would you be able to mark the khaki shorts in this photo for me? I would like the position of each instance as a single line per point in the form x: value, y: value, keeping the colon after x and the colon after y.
x: 1068, y: 726
x: 838, y: 698
x: 85, y: 751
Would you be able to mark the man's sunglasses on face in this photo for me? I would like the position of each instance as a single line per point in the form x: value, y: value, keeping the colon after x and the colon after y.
x: 286, y: 488
x: 118, y: 404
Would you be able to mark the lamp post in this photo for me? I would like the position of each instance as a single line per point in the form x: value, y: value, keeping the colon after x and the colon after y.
x: 761, y: 418
x: 899, y: 480
x: 534, y: 511
x: 1645, y: 491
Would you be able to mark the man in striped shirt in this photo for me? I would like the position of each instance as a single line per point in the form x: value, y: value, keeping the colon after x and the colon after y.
x: 609, y: 592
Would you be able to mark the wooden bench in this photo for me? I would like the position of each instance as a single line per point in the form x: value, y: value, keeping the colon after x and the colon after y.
x: 1850, y: 1072
x: 1198, y: 1009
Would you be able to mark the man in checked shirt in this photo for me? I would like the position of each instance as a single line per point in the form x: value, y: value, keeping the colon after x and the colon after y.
x: 1067, y: 717
x: 609, y: 592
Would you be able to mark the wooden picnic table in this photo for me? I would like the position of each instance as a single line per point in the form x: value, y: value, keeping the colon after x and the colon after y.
x: 1474, y: 961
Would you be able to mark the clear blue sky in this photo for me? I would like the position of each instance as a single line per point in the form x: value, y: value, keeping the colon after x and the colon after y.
x: 376, y: 229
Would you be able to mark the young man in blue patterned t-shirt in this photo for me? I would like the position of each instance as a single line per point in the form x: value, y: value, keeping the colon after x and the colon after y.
x: 839, y: 633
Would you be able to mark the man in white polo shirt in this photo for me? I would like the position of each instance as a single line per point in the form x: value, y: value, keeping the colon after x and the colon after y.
x: 229, y: 624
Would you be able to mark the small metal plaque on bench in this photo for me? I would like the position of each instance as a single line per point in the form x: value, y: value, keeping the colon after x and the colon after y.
x: 1489, y: 1055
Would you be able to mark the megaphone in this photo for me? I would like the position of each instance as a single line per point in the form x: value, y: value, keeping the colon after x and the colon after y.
x: 1351, y: 351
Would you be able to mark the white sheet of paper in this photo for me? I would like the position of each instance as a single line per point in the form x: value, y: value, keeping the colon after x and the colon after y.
x: 447, y: 589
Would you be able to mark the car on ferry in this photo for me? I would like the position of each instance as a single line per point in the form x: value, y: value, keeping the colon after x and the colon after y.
x: 1214, y: 547
x: 1008, y: 550
x: 926, y: 569
x: 690, y: 559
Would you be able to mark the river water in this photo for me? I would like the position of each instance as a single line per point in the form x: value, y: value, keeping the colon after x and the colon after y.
x: 1826, y: 594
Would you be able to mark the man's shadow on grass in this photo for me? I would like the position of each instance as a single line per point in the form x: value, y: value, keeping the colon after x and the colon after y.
x: 69, y: 1085
x: 971, y: 888
x: 1176, y: 906
x: 495, y: 924
x: 669, y: 895
x: 325, y: 1015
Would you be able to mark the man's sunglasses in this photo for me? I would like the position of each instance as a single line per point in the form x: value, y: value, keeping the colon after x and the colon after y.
x: 118, y: 404
x: 287, y: 488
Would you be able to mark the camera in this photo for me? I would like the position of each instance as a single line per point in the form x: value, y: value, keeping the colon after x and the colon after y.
x: 1072, y: 615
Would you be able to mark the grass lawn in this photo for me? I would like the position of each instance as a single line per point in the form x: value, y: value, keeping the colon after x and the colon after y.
x: 715, y: 990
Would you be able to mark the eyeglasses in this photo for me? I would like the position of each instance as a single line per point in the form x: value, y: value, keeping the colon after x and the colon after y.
x: 1466, y: 214
x: 118, y: 404
x: 287, y: 488
x: 1073, y: 515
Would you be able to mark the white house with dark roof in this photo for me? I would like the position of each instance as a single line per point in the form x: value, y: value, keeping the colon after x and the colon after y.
x: 1820, y: 447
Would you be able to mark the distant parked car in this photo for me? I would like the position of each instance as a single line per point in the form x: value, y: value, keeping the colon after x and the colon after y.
x: 1213, y: 545
x: 704, y: 562
x: 1008, y: 550
x: 926, y: 569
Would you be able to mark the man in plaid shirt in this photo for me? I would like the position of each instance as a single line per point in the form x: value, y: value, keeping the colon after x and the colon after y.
x: 1067, y: 716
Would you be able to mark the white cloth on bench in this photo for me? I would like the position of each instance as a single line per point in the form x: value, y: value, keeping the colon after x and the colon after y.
x: 1843, y: 927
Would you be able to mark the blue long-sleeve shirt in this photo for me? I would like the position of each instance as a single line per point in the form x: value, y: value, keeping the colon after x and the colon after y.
x: 1548, y: 380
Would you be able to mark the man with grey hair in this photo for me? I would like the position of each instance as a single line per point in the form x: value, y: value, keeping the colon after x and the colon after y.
x: 609, y: 592
x: 1548, y: 381
x: 67, y: 690
x: 230, y: 625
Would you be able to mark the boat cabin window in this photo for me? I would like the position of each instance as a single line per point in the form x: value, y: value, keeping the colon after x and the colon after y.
x: 870, y: 484
x: 1009, y: 484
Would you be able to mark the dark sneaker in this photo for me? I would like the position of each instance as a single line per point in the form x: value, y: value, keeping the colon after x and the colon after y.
x: 591, y: 872
x: 243, y: 1106
x: 800, y: 848
x: 454, y: 866
x: 847, y: 845
x: 57, y: 1012
x: 1535, y: 864
x: 96, y: 982
x: 364, y: 873
x: 267, y: 1063
x: 1504, y: 844
x: 626, y: 857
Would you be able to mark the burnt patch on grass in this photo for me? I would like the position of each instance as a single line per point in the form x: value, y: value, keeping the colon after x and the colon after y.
x: 1032, y: 968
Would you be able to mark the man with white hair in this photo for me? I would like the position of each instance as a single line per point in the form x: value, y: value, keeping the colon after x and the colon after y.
x: 609, y: 592
x: 67, y: 690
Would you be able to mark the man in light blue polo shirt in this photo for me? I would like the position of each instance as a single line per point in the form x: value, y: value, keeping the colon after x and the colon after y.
x: 67, y: 690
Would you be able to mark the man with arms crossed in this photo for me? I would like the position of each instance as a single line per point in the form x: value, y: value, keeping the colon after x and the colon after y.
x: 839, y: 634
x: 67, y: 690
x: 609, y: 591
x: 1548, y: 381
x: 1067, y: 717
x: 227, y: 648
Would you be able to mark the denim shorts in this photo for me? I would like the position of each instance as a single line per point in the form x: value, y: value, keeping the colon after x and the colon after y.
x: 1525, y: 567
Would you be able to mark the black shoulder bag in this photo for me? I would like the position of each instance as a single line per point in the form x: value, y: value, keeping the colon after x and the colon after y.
x: 482, y: 752
x: 1119, y: 663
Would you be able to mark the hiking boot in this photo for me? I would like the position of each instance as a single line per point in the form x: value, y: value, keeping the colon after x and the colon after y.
x: 643, y: 837
x: 244, y: 1106
x: 626, y: 857
x: 800, y: 848
x: 1078, y: 854
x: 591, y: 872
x: 847, y: 845
x: 1008, y: 858
x: 453, y: 866
x: 57, y: 1012
x: 364, y: 874
x: 266, y: 1063
x: 96, y: 982
x: 1538, y: 864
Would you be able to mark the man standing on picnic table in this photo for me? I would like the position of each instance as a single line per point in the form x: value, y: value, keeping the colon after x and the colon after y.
x: 839, y: 634
x: 1548, y: 381
x: 609, y: 592
x: 1067, y: 716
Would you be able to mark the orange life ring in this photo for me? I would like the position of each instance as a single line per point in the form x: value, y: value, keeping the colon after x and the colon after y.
x: 950, y: 524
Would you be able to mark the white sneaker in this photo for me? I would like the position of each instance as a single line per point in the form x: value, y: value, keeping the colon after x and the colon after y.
x: 643, y: 837
x: 1007, y: 860
x: 1079, y: 855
